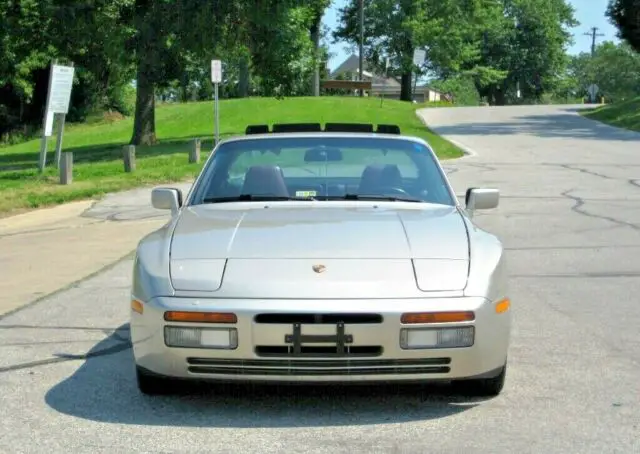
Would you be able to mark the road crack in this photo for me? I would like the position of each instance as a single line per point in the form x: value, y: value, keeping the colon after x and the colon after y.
x: 587, y: 172
x: 633, y: 181
x: 580, y: 203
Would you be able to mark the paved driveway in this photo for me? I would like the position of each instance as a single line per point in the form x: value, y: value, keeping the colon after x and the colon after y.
x: 569, y: 216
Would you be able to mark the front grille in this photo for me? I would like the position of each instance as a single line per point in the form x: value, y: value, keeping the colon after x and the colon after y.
x: 319, y: 351
x: 328, y: 319
x: 297, y: 367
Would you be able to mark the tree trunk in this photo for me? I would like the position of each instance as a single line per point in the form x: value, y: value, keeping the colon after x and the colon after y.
x: 315, y: 38
x: 405, y: 87
x: 243, y: 82
x: 184, y: 87
x: 144, y: 124
x: 501, y: 99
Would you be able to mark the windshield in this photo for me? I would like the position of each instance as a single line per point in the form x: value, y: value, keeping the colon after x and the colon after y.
x: 322, y: 168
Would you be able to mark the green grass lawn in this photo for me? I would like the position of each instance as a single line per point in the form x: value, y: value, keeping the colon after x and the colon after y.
x: 623, y: 115
x: 97, y: 147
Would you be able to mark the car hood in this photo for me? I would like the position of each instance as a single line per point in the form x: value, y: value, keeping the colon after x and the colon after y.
x: 258, y: 251
x: 258, y: 232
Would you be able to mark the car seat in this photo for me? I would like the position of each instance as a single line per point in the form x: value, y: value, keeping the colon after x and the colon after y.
x: 265, y: 180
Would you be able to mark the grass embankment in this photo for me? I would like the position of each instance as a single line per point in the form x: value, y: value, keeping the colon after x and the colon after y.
x: 97, y: 147
x: 622, y: 115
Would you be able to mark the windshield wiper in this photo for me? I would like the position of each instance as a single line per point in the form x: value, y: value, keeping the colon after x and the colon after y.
x: 391, y: 198
x: 253, y: 198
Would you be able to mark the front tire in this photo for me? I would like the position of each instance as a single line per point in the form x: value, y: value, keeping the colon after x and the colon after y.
x: 150, y: 384
x: 484, y: 387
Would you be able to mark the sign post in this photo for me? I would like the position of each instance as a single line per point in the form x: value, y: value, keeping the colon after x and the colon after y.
x: 58, y: 98
x: 384, y: 82
x: 216, y: 78
x: 419, y: 56
x: 593, y: 90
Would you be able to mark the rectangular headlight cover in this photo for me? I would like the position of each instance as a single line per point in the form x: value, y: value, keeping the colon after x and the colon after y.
x: 421, y: 338
x: 188, y: 337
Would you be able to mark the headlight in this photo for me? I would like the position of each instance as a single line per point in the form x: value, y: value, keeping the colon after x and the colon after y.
x: 218, y: 338
x: 420, y: 338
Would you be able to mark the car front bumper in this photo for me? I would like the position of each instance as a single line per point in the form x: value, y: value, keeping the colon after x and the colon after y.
x: 372, y: 353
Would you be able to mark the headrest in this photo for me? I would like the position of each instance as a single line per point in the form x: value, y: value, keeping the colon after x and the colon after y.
x: 265, y: 180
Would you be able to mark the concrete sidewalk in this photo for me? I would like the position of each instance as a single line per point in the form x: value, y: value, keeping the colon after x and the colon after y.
x: 49, y: 249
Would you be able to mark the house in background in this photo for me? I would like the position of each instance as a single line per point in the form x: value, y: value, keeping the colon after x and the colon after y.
x: 389, y: 87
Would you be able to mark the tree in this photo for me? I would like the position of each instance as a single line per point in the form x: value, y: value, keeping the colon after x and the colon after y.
x: 528, y: 42
x: 282, y: 52
x: 86, y: 33
x: 615, y: 68
x: 387, y: 33
x: 318, y: 8
x: 625, y: 15
x: 92, y: 35
x: 166, y: 31
x: 467, y: 51
x: 395, y: 29
x: 273, y: 33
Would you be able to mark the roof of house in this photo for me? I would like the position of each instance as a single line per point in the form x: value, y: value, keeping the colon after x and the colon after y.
x: 352, y: 64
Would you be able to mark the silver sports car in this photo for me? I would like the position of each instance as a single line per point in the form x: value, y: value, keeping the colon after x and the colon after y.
x: 309, y: 254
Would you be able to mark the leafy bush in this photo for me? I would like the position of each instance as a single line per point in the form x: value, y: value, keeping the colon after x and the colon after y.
x: 462, y: 88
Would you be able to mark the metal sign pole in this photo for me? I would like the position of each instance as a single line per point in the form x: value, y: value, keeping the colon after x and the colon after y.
x: 42, y: 162
x: 61, y: 120
x: 216, y: 78
x: 419, y: 56
x: 217, y: 115
x: 384, y: 82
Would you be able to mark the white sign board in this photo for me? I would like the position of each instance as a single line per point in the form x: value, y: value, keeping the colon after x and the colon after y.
x: 48, y: 124
x: 216, y: 71
x: 593, y: 90
x: 419, y: 56
x: 60, y: 91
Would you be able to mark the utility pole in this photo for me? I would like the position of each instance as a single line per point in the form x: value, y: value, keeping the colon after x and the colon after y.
x: 593, y: 88
x: 361, y: 5
x: 594, y: 33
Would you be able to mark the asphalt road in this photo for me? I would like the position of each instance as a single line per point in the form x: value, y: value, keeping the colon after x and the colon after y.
x: 570, y: 218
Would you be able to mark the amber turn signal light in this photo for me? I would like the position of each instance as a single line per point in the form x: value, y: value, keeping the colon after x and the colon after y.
x: 137, y: 306
x: 200, y: 317
x: 503, y: 305
x: 437, y: 317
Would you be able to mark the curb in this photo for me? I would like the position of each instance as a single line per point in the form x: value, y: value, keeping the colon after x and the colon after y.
x: 468, y: 152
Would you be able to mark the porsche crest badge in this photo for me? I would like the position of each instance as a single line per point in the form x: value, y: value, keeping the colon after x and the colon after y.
x: 319, y: 268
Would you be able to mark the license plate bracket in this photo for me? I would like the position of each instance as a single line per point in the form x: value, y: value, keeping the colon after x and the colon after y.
x: 340, y: 339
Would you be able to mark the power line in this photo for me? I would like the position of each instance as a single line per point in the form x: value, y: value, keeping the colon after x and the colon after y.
x: 594, y: 33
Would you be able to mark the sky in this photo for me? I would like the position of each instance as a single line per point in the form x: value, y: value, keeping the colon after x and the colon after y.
x: 590, y: 13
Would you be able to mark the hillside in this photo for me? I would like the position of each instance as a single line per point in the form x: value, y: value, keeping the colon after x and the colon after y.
x: 623, y: 115
x: 97, y: 146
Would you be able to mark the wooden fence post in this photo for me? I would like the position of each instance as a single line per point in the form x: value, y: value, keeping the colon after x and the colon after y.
x: 194, y: 153
x: 129, y: 156
x: 66, y: 168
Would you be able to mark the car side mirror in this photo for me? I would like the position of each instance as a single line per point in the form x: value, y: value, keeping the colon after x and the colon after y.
x: 166, y: 199
x: 481, y: 199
